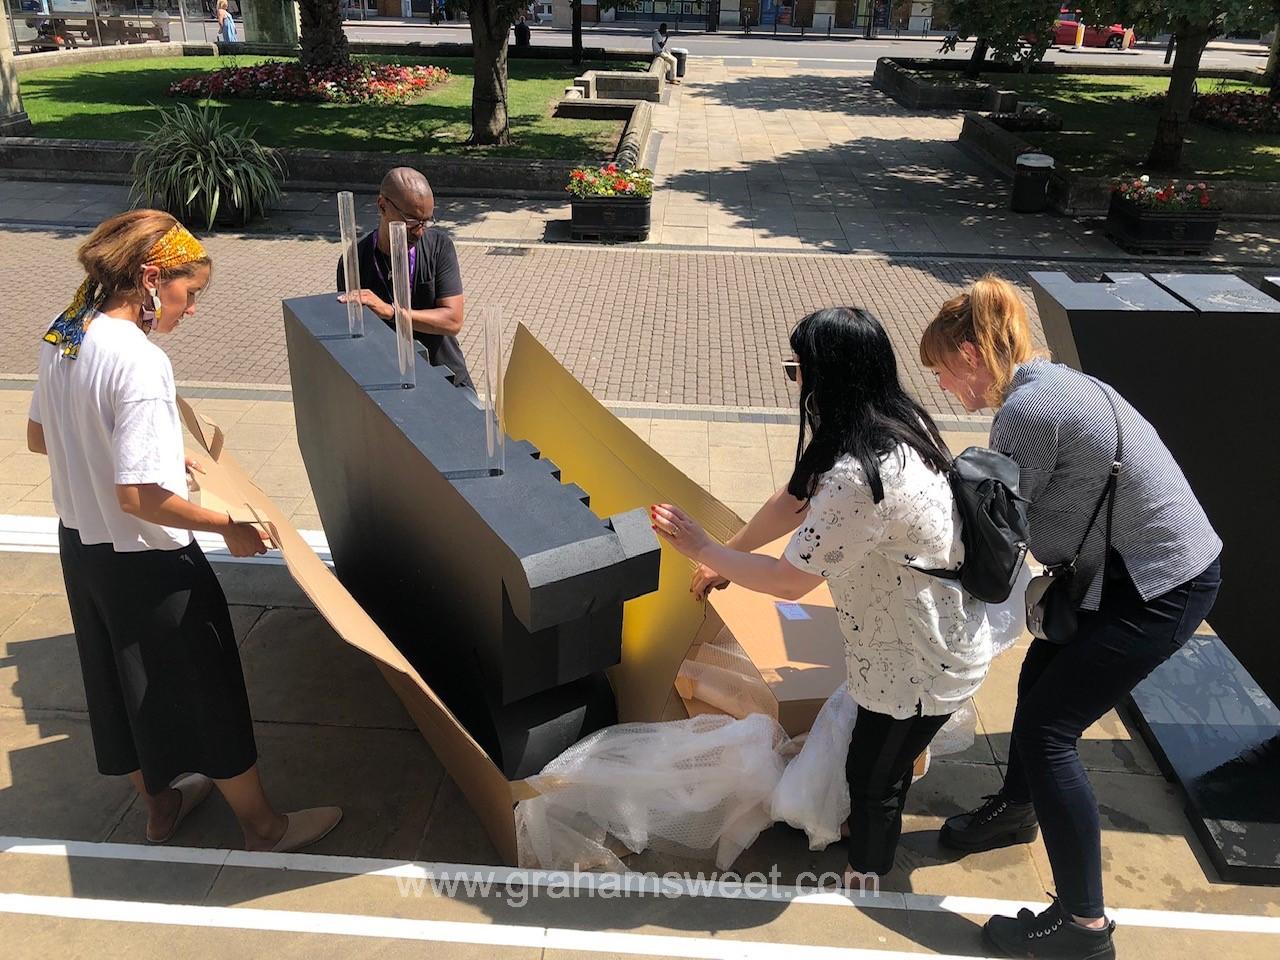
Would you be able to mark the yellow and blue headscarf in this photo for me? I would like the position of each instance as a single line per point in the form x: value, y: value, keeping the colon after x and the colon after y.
x: 175, y: 249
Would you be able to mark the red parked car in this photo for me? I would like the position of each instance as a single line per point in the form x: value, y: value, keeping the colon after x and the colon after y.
x: 1064, y: 32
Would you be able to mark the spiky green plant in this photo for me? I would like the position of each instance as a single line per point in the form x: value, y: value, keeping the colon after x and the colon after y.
x: 194, y: 164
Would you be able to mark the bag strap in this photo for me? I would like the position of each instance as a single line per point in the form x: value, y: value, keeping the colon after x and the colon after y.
x: 1109, y: 489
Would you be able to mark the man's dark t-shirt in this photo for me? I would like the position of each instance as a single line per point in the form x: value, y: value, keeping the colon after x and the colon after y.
x: 436, y: 276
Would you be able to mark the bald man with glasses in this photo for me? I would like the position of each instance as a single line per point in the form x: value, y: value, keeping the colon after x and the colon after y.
x: 435, y: 292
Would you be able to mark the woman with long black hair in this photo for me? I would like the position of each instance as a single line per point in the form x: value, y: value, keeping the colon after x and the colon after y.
x: 870, y: 509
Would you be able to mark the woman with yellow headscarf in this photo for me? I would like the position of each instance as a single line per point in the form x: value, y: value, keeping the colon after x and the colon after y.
x: 161, y: 668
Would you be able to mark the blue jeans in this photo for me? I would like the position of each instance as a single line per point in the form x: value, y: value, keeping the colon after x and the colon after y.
x: 1063, y: 689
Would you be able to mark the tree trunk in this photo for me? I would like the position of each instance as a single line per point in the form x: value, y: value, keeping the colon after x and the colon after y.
x: 577, y: 32
x: 1271, y: 76
x: 1166, y: 152
x: 489, y: 29
x: 324, y: 44
x: 979, y: 58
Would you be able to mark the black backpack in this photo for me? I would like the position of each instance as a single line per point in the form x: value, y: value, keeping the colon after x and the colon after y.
x: 993, y: 523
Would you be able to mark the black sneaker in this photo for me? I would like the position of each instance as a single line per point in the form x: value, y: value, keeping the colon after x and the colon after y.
x: 1051, y: 935
x: 997, y: 823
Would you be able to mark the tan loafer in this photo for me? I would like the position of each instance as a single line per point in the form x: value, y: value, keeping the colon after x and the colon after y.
x: 193, y: 788
x: 306, y: 827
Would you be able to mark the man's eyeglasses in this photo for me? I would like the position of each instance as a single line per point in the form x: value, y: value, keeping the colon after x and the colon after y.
x: 408, y: 224
x: 791, y: 368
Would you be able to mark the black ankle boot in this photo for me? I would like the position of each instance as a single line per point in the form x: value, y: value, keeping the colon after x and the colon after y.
x: 997, y: 823
x: 1051, y: 935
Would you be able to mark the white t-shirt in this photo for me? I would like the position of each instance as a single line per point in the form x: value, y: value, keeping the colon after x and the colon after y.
x: 110, y: 417
x: 659, y: 41
x: 910, y: 639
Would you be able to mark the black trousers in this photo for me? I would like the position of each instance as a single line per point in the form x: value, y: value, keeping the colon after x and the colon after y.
x: 1065, y: 688
x: 878, y: 769
x: 161, y: 669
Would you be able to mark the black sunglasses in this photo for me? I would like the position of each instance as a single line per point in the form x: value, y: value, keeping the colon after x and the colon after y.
x: 791, y: 368
x: 408, y: 224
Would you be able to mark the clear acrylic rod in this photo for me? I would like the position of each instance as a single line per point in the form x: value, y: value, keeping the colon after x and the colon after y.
x: 351, y: 261
x: 401, y: 304
x: 494, y: 421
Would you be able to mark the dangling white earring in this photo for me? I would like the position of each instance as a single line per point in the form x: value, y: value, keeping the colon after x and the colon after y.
x: 810, y: 408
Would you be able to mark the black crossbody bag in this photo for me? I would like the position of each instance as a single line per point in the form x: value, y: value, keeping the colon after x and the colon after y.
x: 1051, y: 613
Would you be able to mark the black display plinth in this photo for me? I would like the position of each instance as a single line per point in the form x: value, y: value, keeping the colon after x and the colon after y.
x: 1195, y: 355
x: 1216, y: 734
x: 505, y: 592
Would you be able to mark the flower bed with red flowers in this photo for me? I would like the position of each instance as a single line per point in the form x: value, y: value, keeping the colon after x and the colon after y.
x: 609, y: 181
x: 1141, y: 192
x: 357, y: 82
x: 1244, y: 112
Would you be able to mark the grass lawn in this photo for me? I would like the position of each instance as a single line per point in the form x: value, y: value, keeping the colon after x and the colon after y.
x: 114, y: 101
x: 1102, y: 137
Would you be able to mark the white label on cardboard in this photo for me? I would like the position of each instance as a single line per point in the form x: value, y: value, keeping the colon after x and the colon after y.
x: 792, y: 611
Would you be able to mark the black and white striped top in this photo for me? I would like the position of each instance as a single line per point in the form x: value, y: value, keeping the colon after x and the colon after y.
x: 1058, y: 426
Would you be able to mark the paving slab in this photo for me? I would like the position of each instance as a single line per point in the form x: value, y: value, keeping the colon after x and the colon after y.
x: 299, y: 671
x: 385, y: 781
x: 49, y: 782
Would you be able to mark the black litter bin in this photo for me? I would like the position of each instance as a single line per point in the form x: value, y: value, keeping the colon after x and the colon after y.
x: 681, y: 56
x: 1031, y: 183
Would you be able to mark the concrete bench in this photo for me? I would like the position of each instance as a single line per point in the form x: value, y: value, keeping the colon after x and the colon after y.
x: 624, y: 84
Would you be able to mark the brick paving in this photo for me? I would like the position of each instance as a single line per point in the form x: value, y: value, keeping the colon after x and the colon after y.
x: 641, y: 327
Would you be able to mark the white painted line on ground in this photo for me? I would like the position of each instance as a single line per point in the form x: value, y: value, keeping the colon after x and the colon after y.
x: 498, y: 877
x: 437, y: 931
x: 23, y: 534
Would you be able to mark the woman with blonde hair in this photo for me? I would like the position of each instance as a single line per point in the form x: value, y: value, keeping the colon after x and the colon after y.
x: 226, y: 24
x: 1105, y: 496
x: 162, y: 676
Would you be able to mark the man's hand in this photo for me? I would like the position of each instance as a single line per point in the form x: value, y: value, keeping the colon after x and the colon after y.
x: 381, y: 309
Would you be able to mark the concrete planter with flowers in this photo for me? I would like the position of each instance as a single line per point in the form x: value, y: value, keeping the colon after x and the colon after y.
x: 1169, y: 218
x: 610, y: 203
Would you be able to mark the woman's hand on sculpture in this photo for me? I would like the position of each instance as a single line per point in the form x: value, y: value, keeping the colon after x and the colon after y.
x: 381, y: 309
x: 704, y: 581
x: 680, y: 530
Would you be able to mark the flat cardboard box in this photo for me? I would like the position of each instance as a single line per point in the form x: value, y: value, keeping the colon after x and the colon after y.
x: 593, y: 448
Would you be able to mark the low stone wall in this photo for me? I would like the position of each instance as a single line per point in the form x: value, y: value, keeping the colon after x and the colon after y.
x: 914, y: 93
x: 1079, y: 196
x: 637, y: 115
x: 83, y: 56
x: 635, y: 137
x: 147, y: 51
x: 1140, y: 69
x: 624, y: 84
x: 987, y: 139
x: 95, y: 161
x: 897, y: 77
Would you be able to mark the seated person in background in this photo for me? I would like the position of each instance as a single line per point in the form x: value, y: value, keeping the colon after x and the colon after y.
x: 659, y: 42
x: 435, y: 291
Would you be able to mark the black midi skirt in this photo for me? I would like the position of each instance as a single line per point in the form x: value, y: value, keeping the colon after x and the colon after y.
x: 161, y: 669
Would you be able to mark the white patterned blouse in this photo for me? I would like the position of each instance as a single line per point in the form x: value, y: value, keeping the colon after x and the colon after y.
x: 914, y: 644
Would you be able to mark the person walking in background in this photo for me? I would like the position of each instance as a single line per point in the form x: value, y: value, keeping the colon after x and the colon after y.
x: 161, y: 668
x: 523, y: 35
x: 227, y: 32
x: 1146, y: 576
x: 871, y: 510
